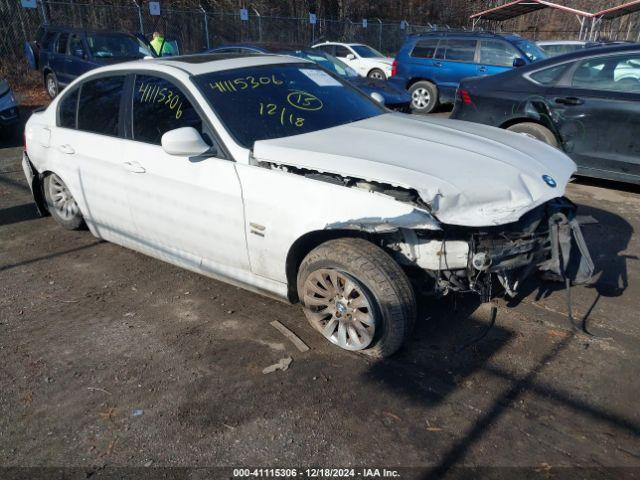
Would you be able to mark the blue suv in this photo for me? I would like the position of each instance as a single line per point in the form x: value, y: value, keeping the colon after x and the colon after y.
x: 431, y: 65
x: 62, y: 54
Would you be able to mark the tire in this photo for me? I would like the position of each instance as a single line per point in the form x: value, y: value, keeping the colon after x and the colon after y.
x: 51, y: 85
x: 535, y: 130
x: 376, y: 74
x: 61, y: 204
x: 424, y: 97
x: 373, y: 296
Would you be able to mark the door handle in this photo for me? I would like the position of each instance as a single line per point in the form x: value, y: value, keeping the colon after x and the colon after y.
x: 437, y: 64
x: 134, y: 167
x: 482, y: 69
x: 66, y: 149
x: 570, y: 101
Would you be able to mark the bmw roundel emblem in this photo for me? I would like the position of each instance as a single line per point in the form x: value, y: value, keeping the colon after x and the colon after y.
x: 548, y: 179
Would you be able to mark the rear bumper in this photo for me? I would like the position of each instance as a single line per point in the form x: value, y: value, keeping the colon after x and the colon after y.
x: 33, y: 179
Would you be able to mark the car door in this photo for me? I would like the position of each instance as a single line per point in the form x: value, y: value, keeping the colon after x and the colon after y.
x: 187, y: 210
x: 58, y: 59
x: 598, y: 110
x: 496, y: 56
x: 455, y: 60
x: 78, y: 59
x: 88, y: 146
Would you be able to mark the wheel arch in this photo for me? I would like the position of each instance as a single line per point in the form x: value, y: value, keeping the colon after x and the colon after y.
x: 415, y: 80
x: 37, y: 187
x: 521, y: 119
x: 303, y: 245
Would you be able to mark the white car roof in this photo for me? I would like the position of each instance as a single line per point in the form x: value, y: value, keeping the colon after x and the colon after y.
x: 204, y: 63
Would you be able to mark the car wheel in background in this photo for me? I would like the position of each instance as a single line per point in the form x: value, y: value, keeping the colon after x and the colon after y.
x: 376, y: 74
x: 51, y: 84
x: 357, y: 296
x: 424, y: 97
x: 61, y: 204
x: 535, y: 130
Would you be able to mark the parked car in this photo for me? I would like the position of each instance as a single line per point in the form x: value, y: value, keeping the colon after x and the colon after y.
x: 269, y: 173
x: 559, y: 47
x: 586, y: 103
x: 365, y: 60
x: 62, y: 54
x: 394, y: 98
x: 431, y: 65
x: 9, y: 113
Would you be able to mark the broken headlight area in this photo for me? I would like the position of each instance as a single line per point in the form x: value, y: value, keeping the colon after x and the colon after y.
x: 461, y: 259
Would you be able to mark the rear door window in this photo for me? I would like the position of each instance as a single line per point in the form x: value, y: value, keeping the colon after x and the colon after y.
x: 158, y: 107
x: 425, y: 48
x: 460, y: 50
x: 67, y: 109
x: 99, y: 106
x: 61, y: 44
x: 617, y: 73
x: 498, y: 53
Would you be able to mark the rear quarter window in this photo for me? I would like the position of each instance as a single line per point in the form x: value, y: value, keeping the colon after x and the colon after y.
x: 549, y: 76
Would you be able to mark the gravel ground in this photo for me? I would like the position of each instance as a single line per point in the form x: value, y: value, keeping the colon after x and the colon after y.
x: 110, y: 358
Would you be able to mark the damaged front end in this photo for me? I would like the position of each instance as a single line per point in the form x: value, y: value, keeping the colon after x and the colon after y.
x: 463, y: 259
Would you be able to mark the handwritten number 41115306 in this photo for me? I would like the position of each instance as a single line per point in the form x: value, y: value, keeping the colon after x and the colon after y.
x: 273, y: 110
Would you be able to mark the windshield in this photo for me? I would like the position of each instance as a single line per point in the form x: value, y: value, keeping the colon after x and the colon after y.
x: 117, y: 46
x: 328, y: 62
x: 531, y: 50
x: 365, y: 51
x: 274, y: 101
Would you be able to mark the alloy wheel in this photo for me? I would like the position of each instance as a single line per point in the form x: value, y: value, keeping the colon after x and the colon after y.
x: 340, y: 309
x: 377, y: 75
x: 420, y: 98
x: 63, y: 201
x: 51, y: 86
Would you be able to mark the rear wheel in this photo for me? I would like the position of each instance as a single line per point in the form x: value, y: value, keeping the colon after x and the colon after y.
x: 357, y: 296
x: 61, y: 204
x: 51, y: 84
x: 424, y: 97
x: 535, y: 130
x: 377, y: 74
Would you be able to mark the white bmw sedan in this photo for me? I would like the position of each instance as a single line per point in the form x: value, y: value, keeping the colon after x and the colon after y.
x: 269, y: 173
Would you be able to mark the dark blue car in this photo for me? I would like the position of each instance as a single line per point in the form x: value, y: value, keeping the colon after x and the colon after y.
x: 431, y: 65
x: 395, y: 98
x: 63, y: 54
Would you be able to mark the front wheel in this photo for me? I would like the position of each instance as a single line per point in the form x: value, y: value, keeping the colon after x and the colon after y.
x: 357, y: 296
x: 535, y: 130
x: 424, y: 97
x: 377, y: 74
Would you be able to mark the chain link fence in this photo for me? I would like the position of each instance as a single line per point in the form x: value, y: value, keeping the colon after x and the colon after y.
x: 196, y: 29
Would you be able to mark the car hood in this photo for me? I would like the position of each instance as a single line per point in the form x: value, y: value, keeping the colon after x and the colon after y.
x: 392, y: 95
x: 469, y: 174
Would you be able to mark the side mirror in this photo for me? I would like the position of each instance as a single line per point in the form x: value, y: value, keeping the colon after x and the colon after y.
x: 519, y: 62
x: 350, y: 56
x: 184, y: 142
x: 378, y: 98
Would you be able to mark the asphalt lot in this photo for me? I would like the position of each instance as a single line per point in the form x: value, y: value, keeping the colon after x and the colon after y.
x: 113, y: 358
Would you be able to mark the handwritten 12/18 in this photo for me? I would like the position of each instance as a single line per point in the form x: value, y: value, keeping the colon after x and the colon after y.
x: 273, y: 110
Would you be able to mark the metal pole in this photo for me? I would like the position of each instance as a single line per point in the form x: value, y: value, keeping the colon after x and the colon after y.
x: 206, y: 26
x: 379, y: 33
x: 45, y: 20
x: 139, y: 16
x: 259, y: 23
x: 313, y: 32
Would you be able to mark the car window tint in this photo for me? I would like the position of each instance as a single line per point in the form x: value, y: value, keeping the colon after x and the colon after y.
x: 61, y: 44
x: 100, y: 105
x: 496, y: 52
x: 617, y: 73
x: 550, y: 76
x: 47, y: 40
x: 159, y: 106
x: 425, y: 48
x: 342, y: 51
x: 458, y: 50
x: 75, y: 46
x: 330, y: 49
x: 67, y: 109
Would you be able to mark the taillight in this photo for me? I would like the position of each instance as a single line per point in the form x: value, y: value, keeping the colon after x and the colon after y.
x: 394, y: 68
x: 464, y: 96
